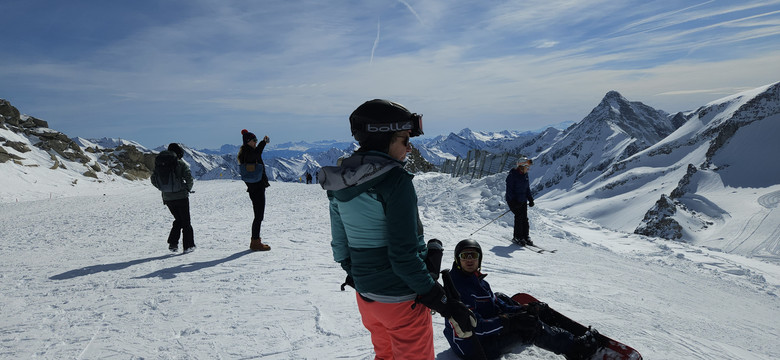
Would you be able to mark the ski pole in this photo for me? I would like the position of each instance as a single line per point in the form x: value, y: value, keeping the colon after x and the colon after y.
x: 491, y: 221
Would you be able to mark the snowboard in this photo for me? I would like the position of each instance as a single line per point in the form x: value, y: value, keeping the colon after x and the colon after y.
x: 613, y: 351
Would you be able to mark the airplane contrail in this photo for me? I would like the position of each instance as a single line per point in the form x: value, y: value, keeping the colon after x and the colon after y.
x: 376, y: 41
x: 411, y: 9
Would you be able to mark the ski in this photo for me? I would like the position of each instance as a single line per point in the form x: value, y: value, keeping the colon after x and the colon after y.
x: 538, y: 251
x: 541, y: 249
x: 533, y: 248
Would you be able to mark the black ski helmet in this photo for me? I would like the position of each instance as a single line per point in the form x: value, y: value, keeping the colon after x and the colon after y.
x: 468, y: 244
x: 176, y: 148
x: 383, y: 116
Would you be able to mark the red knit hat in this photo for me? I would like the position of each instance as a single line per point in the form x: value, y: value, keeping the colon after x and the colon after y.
x: 247, y: 136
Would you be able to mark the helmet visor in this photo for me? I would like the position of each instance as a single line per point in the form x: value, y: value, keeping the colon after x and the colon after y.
x: 417, y: 128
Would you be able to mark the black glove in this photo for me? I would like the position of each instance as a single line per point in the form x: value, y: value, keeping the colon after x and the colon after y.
x: 433, y: 259
x: 348, y: 281
x: 536, y: 308
x: 530, y: 203
x: 517, y: 322
x: 460, y: 317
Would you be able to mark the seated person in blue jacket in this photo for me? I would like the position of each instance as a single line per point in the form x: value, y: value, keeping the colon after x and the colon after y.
x: 501, y: 322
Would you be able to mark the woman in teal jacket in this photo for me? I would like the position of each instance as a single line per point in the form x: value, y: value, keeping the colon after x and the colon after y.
x: 377, y: 236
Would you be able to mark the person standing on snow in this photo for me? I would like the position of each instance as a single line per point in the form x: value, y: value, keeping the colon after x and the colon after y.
x: 175, y: 188
x: 377, y: 236
x: 250, y: 162
x: 518, y: 191
x: 501, y: 322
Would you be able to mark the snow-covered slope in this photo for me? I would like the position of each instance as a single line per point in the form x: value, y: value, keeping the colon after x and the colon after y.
x: 89, y: 276
x: 715, y: 170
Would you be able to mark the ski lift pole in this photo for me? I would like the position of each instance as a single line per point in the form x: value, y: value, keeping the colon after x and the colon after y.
x: 491, y: 221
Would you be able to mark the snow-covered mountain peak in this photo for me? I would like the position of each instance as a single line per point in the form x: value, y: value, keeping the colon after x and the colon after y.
x: 107, y: 143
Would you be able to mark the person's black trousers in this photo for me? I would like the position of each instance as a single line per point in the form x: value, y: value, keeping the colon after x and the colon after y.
x: 180, y: 209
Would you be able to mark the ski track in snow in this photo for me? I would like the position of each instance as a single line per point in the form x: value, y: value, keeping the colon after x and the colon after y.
x: 90, y: 277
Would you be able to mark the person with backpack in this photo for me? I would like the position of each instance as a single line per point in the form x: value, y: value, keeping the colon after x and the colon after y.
x: 377, y: 236
x: 501, y: 322
x: 518, y: 197
x: 173, y: 178
x: 252, y: 168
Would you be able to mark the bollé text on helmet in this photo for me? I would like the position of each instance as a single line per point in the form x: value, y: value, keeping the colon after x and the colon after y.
x: 392, y: 127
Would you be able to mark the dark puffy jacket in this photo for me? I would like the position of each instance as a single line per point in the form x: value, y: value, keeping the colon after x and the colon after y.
x: 518, y: 188
x: 475, y: 293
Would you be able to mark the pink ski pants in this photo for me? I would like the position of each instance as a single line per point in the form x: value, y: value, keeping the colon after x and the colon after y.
x: 398, y: 332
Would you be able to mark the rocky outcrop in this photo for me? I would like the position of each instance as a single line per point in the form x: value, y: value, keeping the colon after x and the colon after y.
x: 125, y: 160
x: 658, y: 221
x: 416, y: 163
x: 5, y: 156
x: 682, y: 185
x: 8, y: 113
x: 58, y: 142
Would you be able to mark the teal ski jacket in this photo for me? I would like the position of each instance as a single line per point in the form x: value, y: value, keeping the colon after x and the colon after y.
x: 376, y: 233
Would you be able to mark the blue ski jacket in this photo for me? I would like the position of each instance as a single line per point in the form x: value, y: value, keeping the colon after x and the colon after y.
x: 518, y: 187
x: 476, y: 294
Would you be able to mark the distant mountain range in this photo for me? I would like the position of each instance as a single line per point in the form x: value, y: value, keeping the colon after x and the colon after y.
x: 678, y: 176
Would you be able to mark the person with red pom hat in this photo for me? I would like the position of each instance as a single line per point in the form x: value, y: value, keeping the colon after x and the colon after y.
x: 252, y: 168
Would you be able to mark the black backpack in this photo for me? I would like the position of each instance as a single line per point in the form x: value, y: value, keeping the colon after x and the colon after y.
x: 165, y: 168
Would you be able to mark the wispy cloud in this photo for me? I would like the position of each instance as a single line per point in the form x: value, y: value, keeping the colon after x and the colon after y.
x: 545, y: 44
x: 513, y: 65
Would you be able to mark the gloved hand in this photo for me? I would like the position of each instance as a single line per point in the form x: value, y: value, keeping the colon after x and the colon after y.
x: 516, y: 322
x: 460, y: 317
x: 348, y: 281
x: 530, y: 203
x: 536, y: 308
x: 433, y: 259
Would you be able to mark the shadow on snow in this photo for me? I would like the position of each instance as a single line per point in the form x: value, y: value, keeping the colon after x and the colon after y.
x: 170, y: 273
x: 167, y: 273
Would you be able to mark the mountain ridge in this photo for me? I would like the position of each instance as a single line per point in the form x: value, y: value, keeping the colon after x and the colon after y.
x: 675, y: 170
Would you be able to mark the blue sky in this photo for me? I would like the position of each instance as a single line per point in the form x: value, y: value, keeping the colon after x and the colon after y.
x: 199, y: 71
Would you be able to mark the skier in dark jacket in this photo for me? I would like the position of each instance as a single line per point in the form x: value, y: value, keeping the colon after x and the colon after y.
x: 178, y: 202
x: 501, y: 322
x: 250, y: 160
x: 377, y: 236
x: 518, y: 191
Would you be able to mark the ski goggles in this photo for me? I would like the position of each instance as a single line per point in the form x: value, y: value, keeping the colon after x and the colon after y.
x: 469, y: 255
x: 414, y: 125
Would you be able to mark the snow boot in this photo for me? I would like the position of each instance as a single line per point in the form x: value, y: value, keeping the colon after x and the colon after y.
x: 585, y: 345
x: 527, y: 241
x: 257, y: 245
x: 189, y: 249
x: 518, y: 241
x: 173, y: 248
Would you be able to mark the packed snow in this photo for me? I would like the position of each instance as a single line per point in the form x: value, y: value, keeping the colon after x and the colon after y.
x: 86, y: 274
